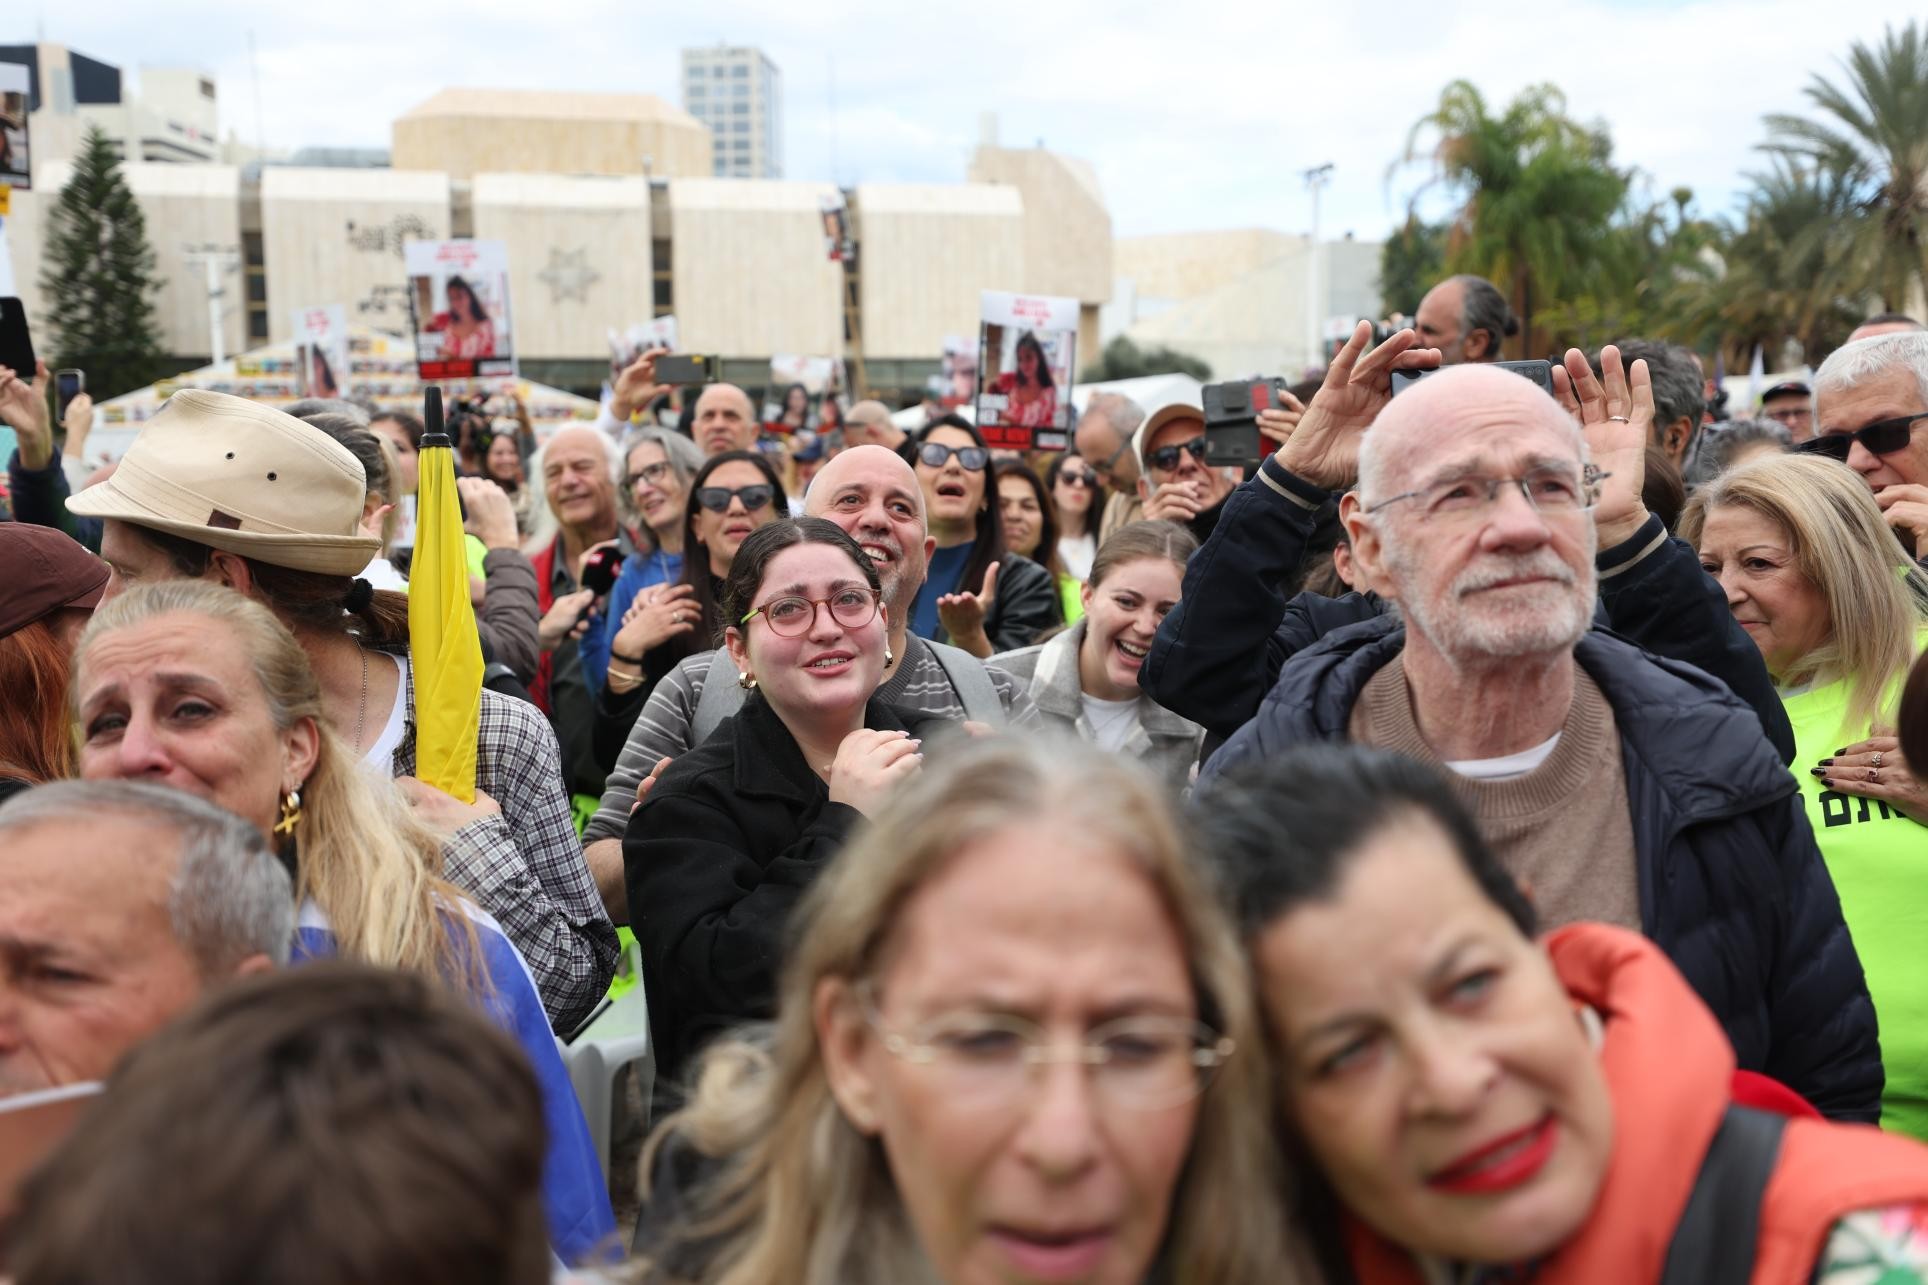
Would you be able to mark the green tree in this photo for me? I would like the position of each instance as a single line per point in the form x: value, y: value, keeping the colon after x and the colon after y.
x: 1123, y: 359
x: 99, y: 276
x: 1536, y: 191
x: 1411, y: 262
x: 1872, y: 138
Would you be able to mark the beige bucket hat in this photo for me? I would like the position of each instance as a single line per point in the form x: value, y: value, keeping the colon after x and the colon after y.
x: 236, y: 475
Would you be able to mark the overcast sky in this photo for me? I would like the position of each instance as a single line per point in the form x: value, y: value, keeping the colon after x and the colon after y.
x: 1195, y: 116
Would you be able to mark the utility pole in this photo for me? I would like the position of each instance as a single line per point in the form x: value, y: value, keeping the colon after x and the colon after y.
x: 218, y: 261
x: 1315, y: 180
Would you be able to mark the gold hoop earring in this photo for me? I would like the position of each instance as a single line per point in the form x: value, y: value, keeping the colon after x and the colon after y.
x: 746, y: 681
x: 290, y: 813
x: 888, y: 658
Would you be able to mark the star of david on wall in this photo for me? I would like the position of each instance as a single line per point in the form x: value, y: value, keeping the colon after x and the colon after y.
x: 569, y: 275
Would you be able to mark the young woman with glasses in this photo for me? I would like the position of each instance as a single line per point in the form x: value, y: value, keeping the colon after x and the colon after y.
x: 731, y: 495
x: 735, y: 830
x: 978, y: 594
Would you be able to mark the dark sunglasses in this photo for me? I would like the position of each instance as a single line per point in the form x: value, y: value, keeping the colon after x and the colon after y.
x: 717, y: 498
x: 1165, y: 458
x: 1077, y: 477
x: 936, y: 455
x: 1883, y: 437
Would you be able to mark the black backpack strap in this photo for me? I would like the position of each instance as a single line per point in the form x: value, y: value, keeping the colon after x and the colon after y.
x: 1715, y: 1241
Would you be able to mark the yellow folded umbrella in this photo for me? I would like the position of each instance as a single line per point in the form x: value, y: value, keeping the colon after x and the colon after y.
x: 443, y: 643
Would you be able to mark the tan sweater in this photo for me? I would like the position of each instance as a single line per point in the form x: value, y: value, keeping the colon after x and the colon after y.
x: 1562, y: 830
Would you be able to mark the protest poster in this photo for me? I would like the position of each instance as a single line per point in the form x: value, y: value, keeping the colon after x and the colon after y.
x: 1026, y: 347
x: 321, y: 351
x: 800, y: 380
x: 639, y: 338
x: 458, y: 299
x: 16, y: 170
x: 836, y: 227
x: 957, y: 379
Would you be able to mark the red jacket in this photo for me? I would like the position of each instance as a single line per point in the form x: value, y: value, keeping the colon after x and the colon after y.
x: 1670, y: 1072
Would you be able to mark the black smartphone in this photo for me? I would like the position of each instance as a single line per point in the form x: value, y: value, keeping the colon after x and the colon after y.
x: 688, y: 368
x: 68, y: 384
x: 600, y: 571
x: 1232, y: 419
x: 1540, y: 372
x: 16, y: 345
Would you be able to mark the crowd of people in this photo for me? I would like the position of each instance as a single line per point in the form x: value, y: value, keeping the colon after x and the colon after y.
x: 1476, y: 844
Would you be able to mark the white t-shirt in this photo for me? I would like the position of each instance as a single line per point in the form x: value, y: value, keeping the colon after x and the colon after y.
x: 1076, y: 552
x: 1111, y: 721
x: 380, y: 757
x: 1507, y: 766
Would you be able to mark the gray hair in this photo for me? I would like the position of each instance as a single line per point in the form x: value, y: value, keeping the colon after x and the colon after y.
x: 1717, y: 445
x: 1376, y: 457
x: 1123, y: 414
x: 542, y: 523
x: 308, y: 407
x: 1483, y: 307
x: 685, y: 461
x: 1679, y: 391
x: 230, y: 897
x: 1854, y: 364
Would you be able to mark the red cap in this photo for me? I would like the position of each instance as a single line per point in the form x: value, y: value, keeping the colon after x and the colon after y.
x: 45, y: 571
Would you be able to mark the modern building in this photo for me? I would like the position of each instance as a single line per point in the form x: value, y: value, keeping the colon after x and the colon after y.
x: 738, y: 93
x: 465, y: 132
x: 171, y: 117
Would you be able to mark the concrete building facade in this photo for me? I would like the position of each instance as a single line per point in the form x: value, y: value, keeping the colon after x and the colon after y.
x: 738, y: 92
x: 465, y: 132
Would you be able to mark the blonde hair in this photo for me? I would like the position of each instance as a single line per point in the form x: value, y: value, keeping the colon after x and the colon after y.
x: 363, y: 858
x: 1877, y: 598
x: 801, y: 1195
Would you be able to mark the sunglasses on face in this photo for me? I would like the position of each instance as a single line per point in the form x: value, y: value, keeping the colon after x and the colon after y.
x: 1883, y: 437
x: 1165, y: 458
x: 936, y: 455
x: 717, y: 498
x: 1077, y: 477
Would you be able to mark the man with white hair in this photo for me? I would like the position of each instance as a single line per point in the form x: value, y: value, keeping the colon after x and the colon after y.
x: 1871, y: 402
x: 124, y: 903
x: 1615, y: 786
x: 874, y: 496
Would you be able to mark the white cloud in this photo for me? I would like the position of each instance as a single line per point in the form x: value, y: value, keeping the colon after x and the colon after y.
x: 1195, y: 116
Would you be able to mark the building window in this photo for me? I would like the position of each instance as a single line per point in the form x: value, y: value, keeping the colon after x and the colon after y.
x: 696, y: 71
x: 740, y: 72
x: 699, y: 91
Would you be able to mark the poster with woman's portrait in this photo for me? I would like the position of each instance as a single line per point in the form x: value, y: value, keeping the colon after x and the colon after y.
x: 321, y: 351
x: 458, y: 297
x: 15, y: 171
x: 1026, y: 352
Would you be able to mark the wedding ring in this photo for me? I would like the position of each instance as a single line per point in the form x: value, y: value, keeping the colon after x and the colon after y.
x: 1618, y: 419
x: 1877, y: 758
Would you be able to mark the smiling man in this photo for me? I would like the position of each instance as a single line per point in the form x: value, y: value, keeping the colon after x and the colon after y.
x: 1618, y: 787
x: 1871, y: 401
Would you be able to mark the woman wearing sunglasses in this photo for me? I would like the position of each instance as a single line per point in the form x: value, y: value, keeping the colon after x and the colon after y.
x: 1839, y: 612
x: 977, y: 594
x: 1078, y: 501
x: 731, y: 495
x: 735, y: 830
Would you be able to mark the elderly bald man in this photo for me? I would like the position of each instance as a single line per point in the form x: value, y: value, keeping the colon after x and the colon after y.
x: 868, y: 423
x: 874, y: 496
x: 725, y: 420
x: 1616, y: 786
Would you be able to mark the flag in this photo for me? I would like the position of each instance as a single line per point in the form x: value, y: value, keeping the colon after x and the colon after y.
x: 1756, y: 379
x: 442, y: 640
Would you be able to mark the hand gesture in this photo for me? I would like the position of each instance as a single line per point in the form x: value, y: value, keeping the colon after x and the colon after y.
x: 1324, y: 447
x: 568, y: 619
x: 648, y: 783
x: 491, y: 513
x: 869, y: 765
x: 23, y: 408
x: 1616, y: 412
x: 636, y: 387
x: 659, y: 614
x: 371, y: 523
x: 442, y: 812
x: 963, y: 615
x: 77, y: 423
x: 1176, y: 502
x: 1905, y: 506
x: 1875, y: 769
x: 1277, y: 422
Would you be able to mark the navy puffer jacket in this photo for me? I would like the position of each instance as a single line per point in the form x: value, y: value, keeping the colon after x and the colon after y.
x: 1732, y: 886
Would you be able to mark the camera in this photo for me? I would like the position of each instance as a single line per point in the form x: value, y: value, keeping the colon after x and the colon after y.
x: 1232, y: 419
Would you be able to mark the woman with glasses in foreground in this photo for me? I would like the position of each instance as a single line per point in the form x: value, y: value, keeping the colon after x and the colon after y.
x: 736, y: 830
x: 1015, y: 1042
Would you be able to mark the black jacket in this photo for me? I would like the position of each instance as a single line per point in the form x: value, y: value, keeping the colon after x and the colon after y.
x: 715, y: 861
x: 1732, y: 886
x: 1026, y: 604
x: 1223, y: 645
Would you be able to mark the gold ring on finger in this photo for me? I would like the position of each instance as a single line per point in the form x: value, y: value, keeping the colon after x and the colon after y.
x: 1877, y: 758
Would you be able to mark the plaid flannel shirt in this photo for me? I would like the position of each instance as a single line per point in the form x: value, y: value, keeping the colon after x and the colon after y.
x: 526, y: 866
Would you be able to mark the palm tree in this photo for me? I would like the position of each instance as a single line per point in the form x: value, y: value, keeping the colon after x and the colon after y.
x: 1873, y: 139
x: 1536, y: 192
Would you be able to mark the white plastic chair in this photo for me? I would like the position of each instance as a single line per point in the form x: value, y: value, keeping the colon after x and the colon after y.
x: 618, y: 1037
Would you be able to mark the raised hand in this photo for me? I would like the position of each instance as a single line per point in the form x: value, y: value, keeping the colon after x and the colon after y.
x: 963, y: 615
x: 636, y: 387
x: 659, y: 613
x: 1277, y: 422
x: 1324, y: 447
x: 23, y: 408
x: 491, y: 513
x: 869, y: 765
x: 1616, y: 411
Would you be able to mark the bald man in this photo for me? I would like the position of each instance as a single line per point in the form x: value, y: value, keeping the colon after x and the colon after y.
x: 873, y: 495
x: 725, y: 420
x: 869, y: 424
x: 1617, y: 787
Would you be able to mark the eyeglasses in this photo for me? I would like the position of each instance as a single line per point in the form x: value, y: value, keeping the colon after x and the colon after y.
x: 1790, y: 414
x: 1165, y: 458
x: 1104, y: 467
x: 936, y: 455
x: 793, y: 616
x: 717, y: 498
x: 1883, y: 437
x: 1140, y: 1063
x: 652, y: 474
x: 1549, y: 490
x: 1078, y: 477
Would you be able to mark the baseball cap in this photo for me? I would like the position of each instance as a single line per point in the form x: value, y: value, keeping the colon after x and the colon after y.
x: 1793, y: 386
x: 242, y: 477
x: 1141, y: 440
x: 46, y: 571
